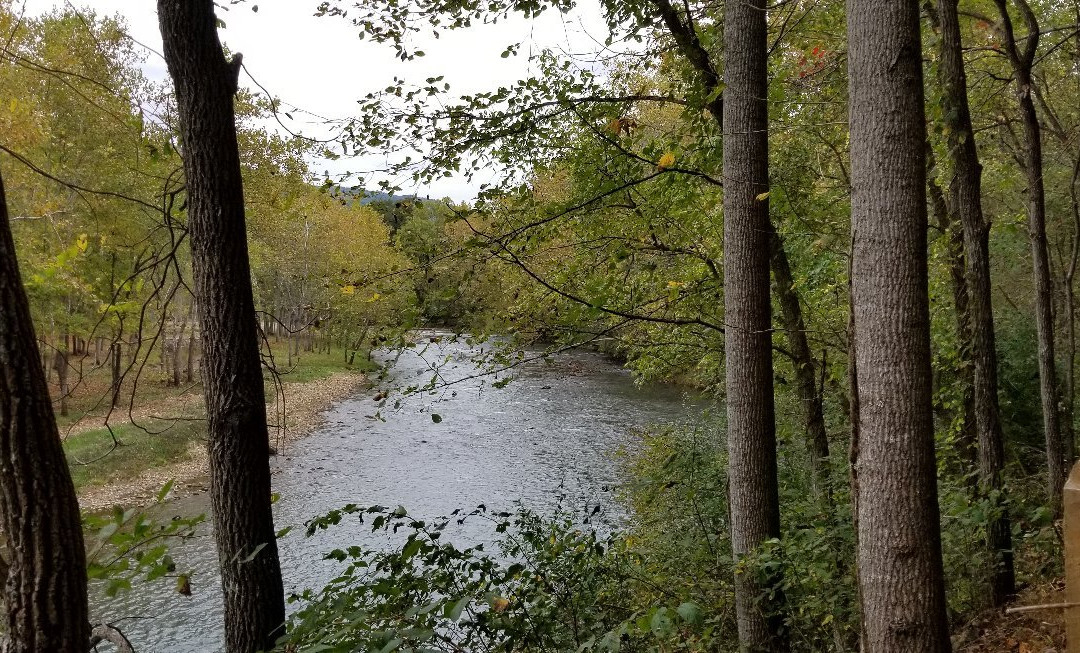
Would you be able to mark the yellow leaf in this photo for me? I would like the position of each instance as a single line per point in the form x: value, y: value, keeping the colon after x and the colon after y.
x: 763, y: 196
x: 615, y: 126
x: 500, y: 604
x: 666, y: 161
x: 81, y: 243
x: 348, y: 290
x: 375, y: 297
x: 14, y: 105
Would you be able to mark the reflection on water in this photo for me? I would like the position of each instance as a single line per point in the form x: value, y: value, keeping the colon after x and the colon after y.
x: 546, y: 438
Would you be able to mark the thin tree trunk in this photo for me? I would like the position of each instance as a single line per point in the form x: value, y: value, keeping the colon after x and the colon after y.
x: 60, y: 364
x: 177, y: 348
x: 901, y: 580
x: 810, y: 399
x: 945, y: 217
x: 751, y: 426
x: 1069, y: 399
x: 45, y: 604
x: 236, y: 410
x: 853, y: 415
x: 189, y: 373
x: 965, y: 196
x: 1022, y: 62
x: 116, y: 362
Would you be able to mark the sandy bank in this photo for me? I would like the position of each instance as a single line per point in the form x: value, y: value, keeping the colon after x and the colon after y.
x: 304, y: 405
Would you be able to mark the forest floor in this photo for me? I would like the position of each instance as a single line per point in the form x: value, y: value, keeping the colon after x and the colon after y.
x: 126, y: 457
x: 1038, y: 631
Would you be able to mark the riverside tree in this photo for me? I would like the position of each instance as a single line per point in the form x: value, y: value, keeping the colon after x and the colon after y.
x: 43, y: 565
x: 901, y: 582
x: 751, y: 421
x: 965, y: 200
x: 205, y: 83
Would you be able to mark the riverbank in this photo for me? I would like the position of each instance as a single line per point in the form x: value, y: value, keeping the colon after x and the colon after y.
x: 131, y: 464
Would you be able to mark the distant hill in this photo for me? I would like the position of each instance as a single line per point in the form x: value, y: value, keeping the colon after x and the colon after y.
x: 355, y: 194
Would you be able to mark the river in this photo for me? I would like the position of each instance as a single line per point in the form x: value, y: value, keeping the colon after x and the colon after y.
x: 547, y: 439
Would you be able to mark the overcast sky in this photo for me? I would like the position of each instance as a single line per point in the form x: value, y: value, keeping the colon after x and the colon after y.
x: 319, y: 64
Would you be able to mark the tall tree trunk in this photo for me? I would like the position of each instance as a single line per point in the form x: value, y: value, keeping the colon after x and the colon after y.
x: 44, y: 602
x: 1069, y: 391
x: 751, y: 426
x: 1022, y: 61
x: 946, y: 219
x: 901, y: 581
x: 965, y: 196
x: 238, y: 440
x: 810, y: 399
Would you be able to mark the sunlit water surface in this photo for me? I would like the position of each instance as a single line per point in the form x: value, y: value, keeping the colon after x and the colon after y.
x: 547, y: 440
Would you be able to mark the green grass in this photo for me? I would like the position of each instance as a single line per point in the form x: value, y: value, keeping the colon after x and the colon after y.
x: 312, y: 366
x: 164, y: 441
x: 161, y: 443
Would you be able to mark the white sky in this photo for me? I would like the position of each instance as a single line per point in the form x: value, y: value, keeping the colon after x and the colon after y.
x: 319, y: 64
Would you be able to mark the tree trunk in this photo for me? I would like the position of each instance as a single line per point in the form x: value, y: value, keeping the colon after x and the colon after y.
x: 965, y: 195
x: 810, y: 399
x: 1022, y: 62
x: 236, y: 410
x: 755, y: 508
x: 116, y: 362
x: 945, y: 216
x: 1069, y: 391
x: 45, y: 591
x: 189, y: 373
x: 901, y: 581
x: 177, y: 348
x: 60, y: 364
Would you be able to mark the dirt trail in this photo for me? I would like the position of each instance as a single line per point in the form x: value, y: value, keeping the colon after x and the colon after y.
x: 305, y: 404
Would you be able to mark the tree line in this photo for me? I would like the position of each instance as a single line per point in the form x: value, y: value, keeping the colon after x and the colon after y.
x: 841, y: 221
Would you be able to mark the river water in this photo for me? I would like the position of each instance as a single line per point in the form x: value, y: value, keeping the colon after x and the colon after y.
x: 547, y: 440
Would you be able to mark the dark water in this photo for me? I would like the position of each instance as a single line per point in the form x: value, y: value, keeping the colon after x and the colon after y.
x: 547, y: 439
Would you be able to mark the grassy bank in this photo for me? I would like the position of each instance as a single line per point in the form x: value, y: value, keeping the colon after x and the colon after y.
x: 169, y: 426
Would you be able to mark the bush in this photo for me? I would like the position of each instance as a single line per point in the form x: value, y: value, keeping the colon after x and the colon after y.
x: 553, y: 586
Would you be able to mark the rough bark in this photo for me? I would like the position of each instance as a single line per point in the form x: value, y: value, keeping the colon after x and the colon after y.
x: 965, y: 196
x: 238, y: 441
x: 1022, y: 60
x: 45, y: 594
x: 753, y: 495
x: 901, y: 581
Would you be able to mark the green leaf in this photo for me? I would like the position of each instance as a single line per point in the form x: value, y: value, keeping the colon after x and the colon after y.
x: 411, y: 548
x: 252, y: 555
x: 165, y: 489
x: 690, y: 612
x: 712, y: 96
x: 459, y: 606
x: 392, y: 645
x: 435, y: 417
